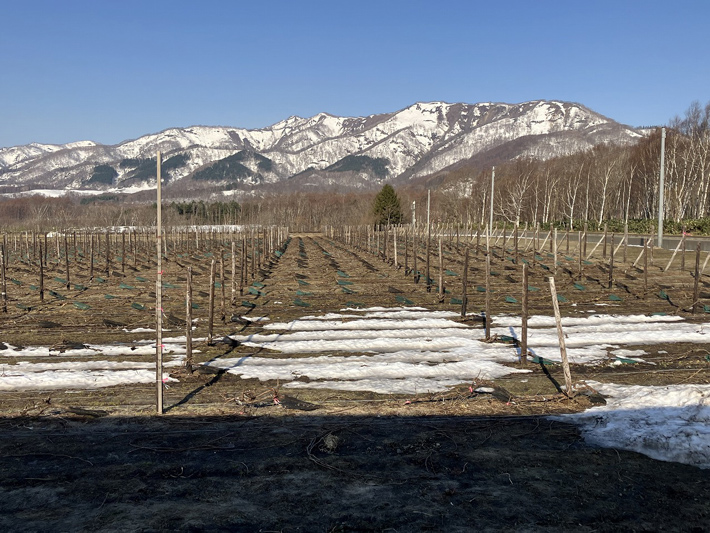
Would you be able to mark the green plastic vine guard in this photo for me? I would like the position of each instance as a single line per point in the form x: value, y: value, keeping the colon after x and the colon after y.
x: 136, y: 305
x: 580, y: 287
x: 16, y: 281
x: 301, y: 303
x: 250, y: 305
x: 401, y: 299
x: 140, y: 279
x: 511, y: 300
x: 57, y: 295
x: 343, y: 274
x: 456, y: 301
x: 344, y: 282
x: 662, y: 295
x: 303, y: 293
x: 451, y: 273
x: 614, y: 298
x: 60, y: 280
x: 301, y: 282
x: 347, y: 291
x: 562, y: 299
x: 125, y: 286
x: 109, y: 296
x: 81, y: 305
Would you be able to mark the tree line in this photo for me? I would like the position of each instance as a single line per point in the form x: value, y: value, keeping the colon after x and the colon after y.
x: 616, y: 185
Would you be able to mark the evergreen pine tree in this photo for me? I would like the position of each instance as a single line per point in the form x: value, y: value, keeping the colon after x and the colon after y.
x: 386, y: 208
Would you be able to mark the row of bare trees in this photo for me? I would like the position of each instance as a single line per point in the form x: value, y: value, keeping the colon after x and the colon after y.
x: 606, y: 182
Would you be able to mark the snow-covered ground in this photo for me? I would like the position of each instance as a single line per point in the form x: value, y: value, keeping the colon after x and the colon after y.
x: 415, y: 350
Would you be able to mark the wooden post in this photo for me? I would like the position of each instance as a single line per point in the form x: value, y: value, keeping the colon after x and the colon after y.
x: 3, y: 279
x: 696, y: 284
x: 188, y: 322
x: 221, y: 283
x: 108, y: 252
x: 406, y: 251
x: 395, y: 248
x: 524, y: 318
x: 561, y: 338
x: 605, y: 241
x: 243, y: 266
x: 66, y: 259
x: 41, y: 274
x: 626, y: 240
x: 682, y: 252
x: 91, y: 257
x: 464, y: 285
x: 428, y: 253
x: 645, y: 266
x: 517, y: 250
x: 441, y: 273
x: 210, y: 320
x: 681, y: 243
x: 158, y: 291
x: 253, y: 256
x: 123, y: 251
x: 414, y: 256
x: 611, y: 263
x: 234, y: 279
x: 584, y: 244
x: 553, y: 243
x: 488, y: 296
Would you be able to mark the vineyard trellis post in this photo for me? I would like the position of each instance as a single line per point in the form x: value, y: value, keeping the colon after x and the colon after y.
x: 158, y: 294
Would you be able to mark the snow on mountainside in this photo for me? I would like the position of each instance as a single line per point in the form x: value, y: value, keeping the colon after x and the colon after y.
x: 323, y: 150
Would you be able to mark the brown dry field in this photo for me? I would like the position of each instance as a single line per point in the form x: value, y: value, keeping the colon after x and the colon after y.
x: 224, y: 456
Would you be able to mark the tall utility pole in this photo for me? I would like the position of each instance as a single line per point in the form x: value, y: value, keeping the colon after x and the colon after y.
x: 159, y: 301
x: 414, y: 213
x: 493, y: 183
x: 660, y: 188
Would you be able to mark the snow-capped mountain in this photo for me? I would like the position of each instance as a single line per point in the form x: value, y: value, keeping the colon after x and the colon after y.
x: 347, y: 152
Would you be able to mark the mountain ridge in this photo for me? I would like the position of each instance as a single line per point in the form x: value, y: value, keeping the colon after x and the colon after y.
x: 419, y: 140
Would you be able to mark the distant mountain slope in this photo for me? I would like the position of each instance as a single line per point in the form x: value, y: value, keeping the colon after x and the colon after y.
x: 321, y: 151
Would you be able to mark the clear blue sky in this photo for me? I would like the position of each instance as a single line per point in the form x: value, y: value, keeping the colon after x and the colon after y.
x: 111, y: 70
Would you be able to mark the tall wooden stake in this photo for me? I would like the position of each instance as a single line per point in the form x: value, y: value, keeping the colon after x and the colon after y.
x: 524, y: 318
x: 3, y: 279
x: 561, y: 338
x: 696, y: 285
x: 210, y: 323
x: 158, y: 294
x: 188, y: 322
x: 464, y: 285
x: 488, y: 296
x: 441, y: 273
